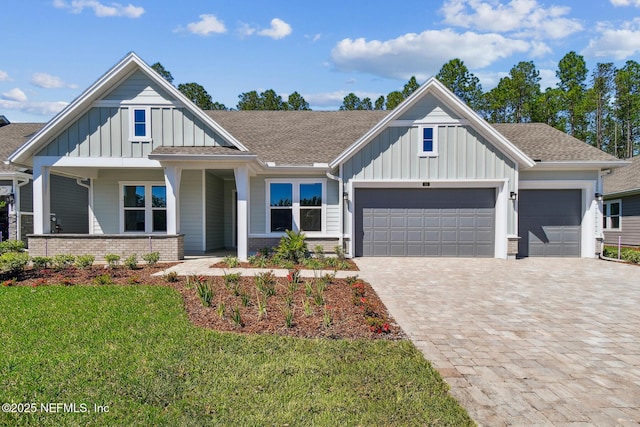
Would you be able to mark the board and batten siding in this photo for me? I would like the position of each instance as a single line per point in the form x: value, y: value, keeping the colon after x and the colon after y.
x: 104, y: 132
x: 629, y: 223
x: 191, y: 210
x: 214, y: 212
x: 139, y: 88
x: 258, y: 203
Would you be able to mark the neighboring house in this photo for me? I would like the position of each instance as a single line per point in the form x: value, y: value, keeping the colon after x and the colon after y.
x: 621, y: 206
x: 429, y: 178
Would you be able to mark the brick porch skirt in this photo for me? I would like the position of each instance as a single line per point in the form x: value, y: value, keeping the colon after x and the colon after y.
x: 170, y: 247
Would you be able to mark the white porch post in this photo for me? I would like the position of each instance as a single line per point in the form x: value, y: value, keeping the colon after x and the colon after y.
x: 172, y: 175
x: 41, y: 199
x: 242, y: 189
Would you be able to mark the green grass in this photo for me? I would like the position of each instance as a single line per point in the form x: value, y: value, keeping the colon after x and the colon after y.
x: 133, y: 349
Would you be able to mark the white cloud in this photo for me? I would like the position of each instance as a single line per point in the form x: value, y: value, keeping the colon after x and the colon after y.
x: 99, y: 9
x: 245, y: 30
x: 548, y: 78
x: 618, y: 3
x: 208, y: 24
x: 279, y: 29
x: 4, y: 76
x: 47, y: 81
x: 422, y: 55
x: 617, y: 42
x: 314, y: 38
x: 46, y: 109
x: 524, y: 17
x: 15, y: 94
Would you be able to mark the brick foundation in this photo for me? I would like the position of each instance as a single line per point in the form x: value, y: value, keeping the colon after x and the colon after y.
x: 512, y: 247
x: 170, y: 247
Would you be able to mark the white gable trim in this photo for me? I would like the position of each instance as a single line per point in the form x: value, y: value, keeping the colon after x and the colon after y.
x: 111, y: 78
x: 443, y: 94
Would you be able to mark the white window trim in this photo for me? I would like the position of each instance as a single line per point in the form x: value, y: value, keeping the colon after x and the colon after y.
x: 147, y: 131
x: 607, y: 218
x: 148, y: 210
x: 434, y: 152
x: 295, y: 205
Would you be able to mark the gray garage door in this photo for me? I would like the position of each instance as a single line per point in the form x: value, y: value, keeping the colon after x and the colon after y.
x: 425, y: 222
x: 549, y: 223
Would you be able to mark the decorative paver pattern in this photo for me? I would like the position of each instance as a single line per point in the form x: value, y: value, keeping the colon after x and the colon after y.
x: 523, y: 342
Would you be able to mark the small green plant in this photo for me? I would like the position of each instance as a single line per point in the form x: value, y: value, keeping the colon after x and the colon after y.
x: 231, y: 261
x: 113, y: 260
x: 318, y: 298
x: 205, y: 292
x: 231, y: 279
x: 292, y: 247
x: 264, y: 252
x: 266, y: 283
x: 318, y: 250
x: 377, y: 325
x: 236, y: 317
x: 288, y: 300
x: 221, y: 309
x: 14, y: 263
x: 63, y: 261
x: 131, y: 262
x: 262, y: 262
x: 171, y: 277
x: 306, y: 306
x: 308, y: 288
x: 321, y: 285
x: 151, y: 258
x: 102, y: 280
x: 251, y: 259
x: 134, y: 280
x: 11, y: 246
x: 288, y: 311
x: 339, y: 252
x: 351, y: 280
x: 261, y: 305
x: 85, y: 261
x: 245, y: 299
x: 327, y: 321
x: 41, y: 262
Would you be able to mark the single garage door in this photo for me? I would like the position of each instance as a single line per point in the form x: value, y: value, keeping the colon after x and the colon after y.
x: 549, y: 223
x: 425, y: 222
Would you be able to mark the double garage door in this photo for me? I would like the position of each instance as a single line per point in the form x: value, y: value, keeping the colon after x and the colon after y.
x: 425, y: 222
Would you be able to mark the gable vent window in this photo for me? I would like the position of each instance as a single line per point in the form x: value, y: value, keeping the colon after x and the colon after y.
x: 428, y: 141
x: 140, y: 129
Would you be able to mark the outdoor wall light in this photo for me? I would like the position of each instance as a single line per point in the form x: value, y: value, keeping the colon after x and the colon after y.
x: 11, y: 199
x: 345, y: 195
x: 513, y: 195
x: 598, y: 197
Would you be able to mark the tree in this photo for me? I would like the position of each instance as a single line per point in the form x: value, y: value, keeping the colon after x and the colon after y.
x: 410, y: 87
x: 572, y: 73
x: 524, y: 88
x: 297, y: 102
x: 350, y: 102
x: 394, y: 99
x: 548, y: 107
x: 249, y: 101
x: 601, y: 93
x: 270, y: 100
x: 627, y: 82
x: 365, y: 104
x: 379, y: 105
x: 163, y: 72
x: 197, y: 94
x: 466, y: 86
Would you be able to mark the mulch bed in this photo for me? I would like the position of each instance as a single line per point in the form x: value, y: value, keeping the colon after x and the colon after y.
x: 340, y: 315
x: 221, y: 264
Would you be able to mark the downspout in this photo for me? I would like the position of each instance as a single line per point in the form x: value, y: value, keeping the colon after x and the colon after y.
x: 341, y: 206
x: 89, y: 188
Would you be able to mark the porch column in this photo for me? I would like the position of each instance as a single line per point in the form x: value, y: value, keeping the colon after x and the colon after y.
x: 41, y: 199
x: 242, y: 189
x: 172, y: 175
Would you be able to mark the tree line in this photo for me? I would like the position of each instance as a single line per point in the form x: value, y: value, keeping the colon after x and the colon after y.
x: 601, y: 108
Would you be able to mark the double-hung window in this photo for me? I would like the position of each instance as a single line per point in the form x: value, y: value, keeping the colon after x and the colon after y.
x: 140, y: 124
x: 297, y: 205
x: 611, y: 213
x: 144, y: 208
x: 428, y: 139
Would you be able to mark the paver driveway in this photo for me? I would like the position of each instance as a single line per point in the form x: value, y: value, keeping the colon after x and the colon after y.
x: 527, y: 342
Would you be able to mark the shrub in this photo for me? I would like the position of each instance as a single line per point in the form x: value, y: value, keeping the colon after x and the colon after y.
x: 151, y: 258
x: 62, y: 261
x: 103, y: 279
x: 292, y: 247
x: 205, y: 292
x: 266, y: 283
x: 113, y: 260
x: 318, y: 250
x: 131, y: 262
x: 85, y: 261
x: 11, y: 246
x: 630, y: 255
x: 41, y: 262
x: 171, y: 277
x: 264, y: 252
x: 14, y: 262
x: 231, y: 261
x: 339, y: 252
x: 287, y: 311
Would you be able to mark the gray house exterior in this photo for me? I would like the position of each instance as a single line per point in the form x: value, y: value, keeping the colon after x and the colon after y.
x: 430, y: 178
x: 621, y: 206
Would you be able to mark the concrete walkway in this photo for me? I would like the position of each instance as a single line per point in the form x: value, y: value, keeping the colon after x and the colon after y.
x: 527, y: 342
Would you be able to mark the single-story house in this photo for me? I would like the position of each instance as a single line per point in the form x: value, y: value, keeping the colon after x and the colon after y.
x: 621, y: 206
x: 151, y: 171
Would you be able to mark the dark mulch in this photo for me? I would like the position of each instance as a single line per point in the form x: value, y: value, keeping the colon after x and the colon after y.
x: 349, y: 265
x: 346, y: 313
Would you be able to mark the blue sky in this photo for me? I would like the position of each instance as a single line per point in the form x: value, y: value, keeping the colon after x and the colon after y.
x: 54, y: 49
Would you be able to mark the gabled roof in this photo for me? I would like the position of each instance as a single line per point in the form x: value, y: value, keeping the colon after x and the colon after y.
x: 623, y: 180
x: 297, y: 137
x: 12, y: 136
x: 544, y: 143
x: 444, y: 95
x: 127, y: 66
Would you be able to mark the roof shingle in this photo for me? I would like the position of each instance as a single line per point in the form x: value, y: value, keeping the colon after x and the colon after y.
x: 12, y: 136
x: 623, y: 179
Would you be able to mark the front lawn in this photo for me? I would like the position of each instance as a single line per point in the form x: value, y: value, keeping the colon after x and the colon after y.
x: 132, y: 351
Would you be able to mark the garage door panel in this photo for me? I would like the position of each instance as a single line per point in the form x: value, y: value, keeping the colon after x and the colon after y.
x: 425, y: 222
x: 549, y: 223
